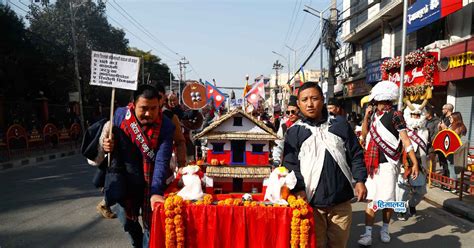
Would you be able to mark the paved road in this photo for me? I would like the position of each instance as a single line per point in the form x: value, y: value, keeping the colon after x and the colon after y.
x: 53, y: 205
x: 432, y: 228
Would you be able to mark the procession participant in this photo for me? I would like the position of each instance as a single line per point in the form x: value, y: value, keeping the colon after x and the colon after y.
x: 456, y: 125
x: 432, y: 123
x: 383, y: 128
x: 447, y: 110
x: 335, y: 107
x: 141, y: 148
x: 407, y: 189
x: 173, y: 105
x: 292, y: 113
x: 178, y: 137
x: 326, y: 156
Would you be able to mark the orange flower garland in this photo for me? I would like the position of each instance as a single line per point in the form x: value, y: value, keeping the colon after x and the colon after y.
x: 174, y: 226
x: 300, y: 225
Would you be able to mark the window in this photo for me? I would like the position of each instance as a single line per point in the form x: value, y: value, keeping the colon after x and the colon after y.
x: 411, y: 41
x: 372, y: 50
x: 383, y: 3
x: 237, y: 121
x: 257, y: 148
x: 358, y: 7
x: 217, y: 148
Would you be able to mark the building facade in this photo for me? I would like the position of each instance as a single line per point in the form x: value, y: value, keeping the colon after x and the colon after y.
x: 373, y: 33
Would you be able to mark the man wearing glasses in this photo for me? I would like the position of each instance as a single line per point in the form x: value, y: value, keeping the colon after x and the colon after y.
x: 292, y: 115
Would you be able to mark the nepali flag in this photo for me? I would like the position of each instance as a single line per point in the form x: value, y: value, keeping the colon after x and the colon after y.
x: 254, y: 94
x: 212, y: 93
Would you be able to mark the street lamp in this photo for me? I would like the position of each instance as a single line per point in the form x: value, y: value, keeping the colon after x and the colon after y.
x: 320, y: 15
x: 287, y: 61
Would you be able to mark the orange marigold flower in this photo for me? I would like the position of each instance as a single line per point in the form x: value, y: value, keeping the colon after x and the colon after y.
x: 237, y: 202
x: 296, y: 213
x: 304, y: 211
x: 207, y: 197
x: 228, y: 201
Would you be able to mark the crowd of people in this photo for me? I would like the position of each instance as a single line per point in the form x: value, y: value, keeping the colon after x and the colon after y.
x: 338, y: 157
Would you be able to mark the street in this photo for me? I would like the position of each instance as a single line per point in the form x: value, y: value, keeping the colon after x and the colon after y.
x: 53, y: 205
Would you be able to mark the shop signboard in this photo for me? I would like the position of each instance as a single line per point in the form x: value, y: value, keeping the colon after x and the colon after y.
x: 374, y: 73
x: 457, y: 61
x: 356, y: 88
x: 424, y: 12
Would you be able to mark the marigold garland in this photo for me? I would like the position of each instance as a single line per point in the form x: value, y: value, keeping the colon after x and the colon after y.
x: 174, y: 226
x: 300, y: 225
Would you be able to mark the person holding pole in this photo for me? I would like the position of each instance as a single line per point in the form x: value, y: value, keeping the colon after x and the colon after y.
x: 141, y: 143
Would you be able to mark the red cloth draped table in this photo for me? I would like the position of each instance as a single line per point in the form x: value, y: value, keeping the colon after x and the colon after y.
x: 213, y: 226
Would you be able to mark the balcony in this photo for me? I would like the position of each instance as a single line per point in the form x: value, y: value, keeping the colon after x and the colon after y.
x: 390, y: 11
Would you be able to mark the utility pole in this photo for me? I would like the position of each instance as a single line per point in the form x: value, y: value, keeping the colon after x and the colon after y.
x: 171, y: 80
x: 143, y: 70
x: 182, y: 67
x: 277, y: 67
x: 77, y: 77
x: 294, y: 66
x: 332, y: 33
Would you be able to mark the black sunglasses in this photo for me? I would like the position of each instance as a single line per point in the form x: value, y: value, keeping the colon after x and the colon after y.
x: 293, y: 112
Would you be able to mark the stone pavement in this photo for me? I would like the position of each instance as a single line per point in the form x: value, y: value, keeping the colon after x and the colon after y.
x: 451, y: 202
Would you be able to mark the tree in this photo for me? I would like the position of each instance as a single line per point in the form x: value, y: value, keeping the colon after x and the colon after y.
x: 16, y: 54
x: 51, y: 24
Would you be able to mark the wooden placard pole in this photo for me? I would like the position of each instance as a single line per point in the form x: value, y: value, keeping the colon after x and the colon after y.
x: 112, y: 101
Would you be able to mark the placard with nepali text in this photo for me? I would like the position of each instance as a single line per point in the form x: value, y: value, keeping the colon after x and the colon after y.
x: 114, y: 70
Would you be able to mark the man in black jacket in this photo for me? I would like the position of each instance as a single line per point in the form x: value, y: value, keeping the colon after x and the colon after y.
x: 326, y: 157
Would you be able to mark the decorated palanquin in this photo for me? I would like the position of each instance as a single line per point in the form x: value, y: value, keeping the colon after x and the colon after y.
x: 421, y: 75
x: 231, y: 222
x: 238, y: 147
x: 225, y: 216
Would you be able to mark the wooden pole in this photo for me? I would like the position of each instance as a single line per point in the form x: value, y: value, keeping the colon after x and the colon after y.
x: 112, y: 101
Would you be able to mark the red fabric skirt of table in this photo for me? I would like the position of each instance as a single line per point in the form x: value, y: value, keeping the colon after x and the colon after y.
x: 214, y: 226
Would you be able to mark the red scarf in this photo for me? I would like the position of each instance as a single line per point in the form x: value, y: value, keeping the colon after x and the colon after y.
x: 371, y: 155
x: 289, y: 123
x: 146, y: 140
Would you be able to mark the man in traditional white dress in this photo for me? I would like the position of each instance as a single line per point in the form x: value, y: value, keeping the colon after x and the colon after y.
x: 408, y: 189
x: 384, y: 130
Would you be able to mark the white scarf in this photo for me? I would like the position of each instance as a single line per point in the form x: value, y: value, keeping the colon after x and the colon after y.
x: 312, y: 154
x: 387, y: 136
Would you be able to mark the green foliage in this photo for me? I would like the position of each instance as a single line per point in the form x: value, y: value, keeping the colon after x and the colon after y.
x: 52, y: 24
x: 39, y: 58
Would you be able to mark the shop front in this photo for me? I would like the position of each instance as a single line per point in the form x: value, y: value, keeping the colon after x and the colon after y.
x: 353, y: 92
x: 456, y: 68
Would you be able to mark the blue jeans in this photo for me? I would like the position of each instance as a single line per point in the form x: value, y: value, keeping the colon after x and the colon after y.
x: 452, y: 172
x: 138, y: 237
